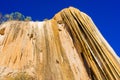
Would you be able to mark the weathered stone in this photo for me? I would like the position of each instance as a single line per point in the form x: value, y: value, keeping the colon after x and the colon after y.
x: 67, y: 47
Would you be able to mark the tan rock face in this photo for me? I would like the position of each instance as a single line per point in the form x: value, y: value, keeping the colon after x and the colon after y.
x: 67, y: 47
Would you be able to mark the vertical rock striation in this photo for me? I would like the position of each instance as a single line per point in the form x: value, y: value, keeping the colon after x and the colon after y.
x: 67, y: 47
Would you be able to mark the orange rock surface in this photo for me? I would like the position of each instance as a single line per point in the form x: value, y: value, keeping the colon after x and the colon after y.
x: 67, y: 47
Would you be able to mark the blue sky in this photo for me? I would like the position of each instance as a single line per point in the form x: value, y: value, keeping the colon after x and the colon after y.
x: 105, y: 13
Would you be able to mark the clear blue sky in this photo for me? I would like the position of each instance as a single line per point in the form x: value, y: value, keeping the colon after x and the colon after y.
x: 105, y: 13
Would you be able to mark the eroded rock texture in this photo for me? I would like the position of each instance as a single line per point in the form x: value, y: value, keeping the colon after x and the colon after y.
x: 67, y: 47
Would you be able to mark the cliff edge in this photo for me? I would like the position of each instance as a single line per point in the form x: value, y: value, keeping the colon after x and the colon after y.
x: 67, y: 47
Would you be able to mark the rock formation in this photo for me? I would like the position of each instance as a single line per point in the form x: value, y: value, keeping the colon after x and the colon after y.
x: 67, y: 47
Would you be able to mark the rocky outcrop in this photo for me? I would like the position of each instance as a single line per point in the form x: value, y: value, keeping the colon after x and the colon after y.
x: 67, y: 47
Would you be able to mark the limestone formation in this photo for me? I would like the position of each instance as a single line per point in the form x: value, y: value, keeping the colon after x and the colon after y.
x: 67, y: 47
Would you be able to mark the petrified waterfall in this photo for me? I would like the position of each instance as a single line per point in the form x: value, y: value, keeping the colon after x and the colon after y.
x: 67, y: 47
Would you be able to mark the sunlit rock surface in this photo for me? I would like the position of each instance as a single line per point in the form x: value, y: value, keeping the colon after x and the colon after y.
x: 67, y: 47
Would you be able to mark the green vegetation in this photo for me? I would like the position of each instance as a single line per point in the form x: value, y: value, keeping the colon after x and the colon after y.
x: 14, y: 16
